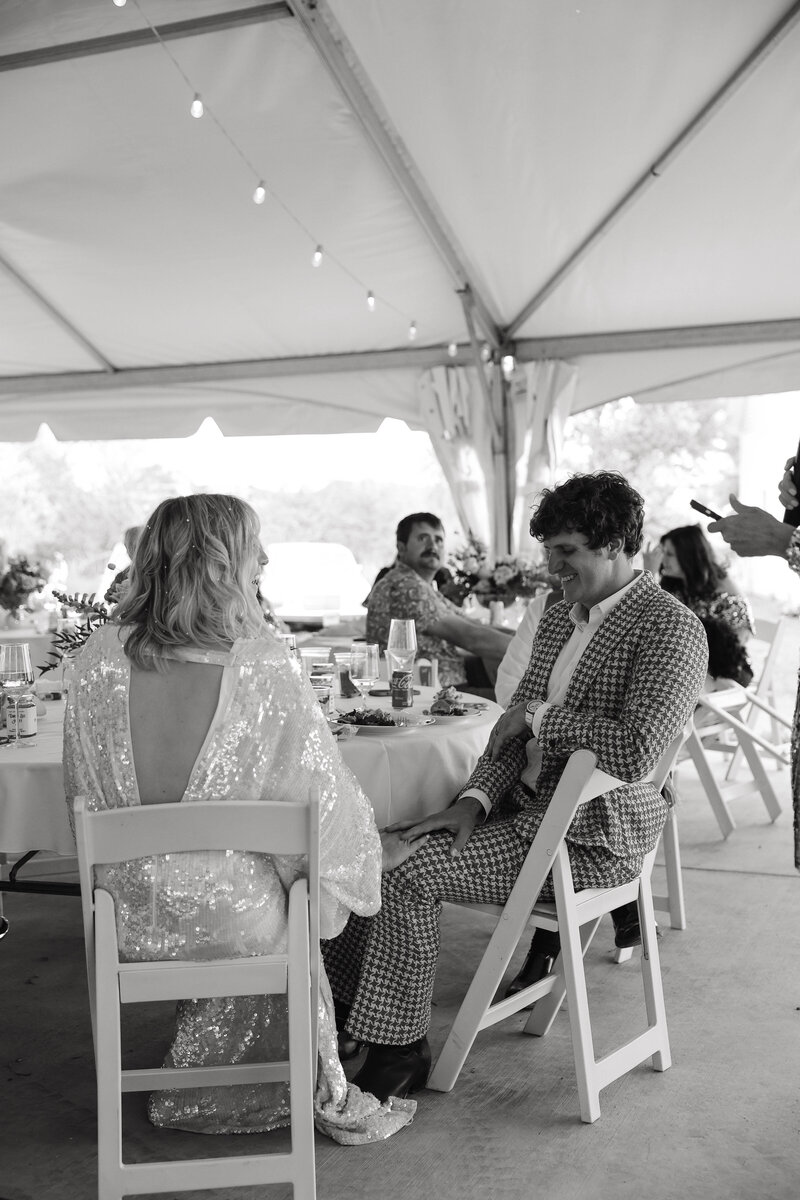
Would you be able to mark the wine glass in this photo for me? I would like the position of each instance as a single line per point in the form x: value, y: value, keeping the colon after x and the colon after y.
x: 16, y: 677
x: 402, y: 637
x: 364, y: 667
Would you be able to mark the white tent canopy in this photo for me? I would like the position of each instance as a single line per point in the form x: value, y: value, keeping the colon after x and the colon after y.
x: 606, y: 189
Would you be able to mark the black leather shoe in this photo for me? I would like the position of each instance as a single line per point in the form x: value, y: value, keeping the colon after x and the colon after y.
x: 627, y: 931
x: 349, y: 1047
x: 536, y: 966
x: 395, y: 1070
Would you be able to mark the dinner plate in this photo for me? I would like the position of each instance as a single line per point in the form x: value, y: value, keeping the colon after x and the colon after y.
x: 413, y: 723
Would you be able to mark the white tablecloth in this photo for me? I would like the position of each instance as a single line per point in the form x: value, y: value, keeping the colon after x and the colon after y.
x: 406, y: 773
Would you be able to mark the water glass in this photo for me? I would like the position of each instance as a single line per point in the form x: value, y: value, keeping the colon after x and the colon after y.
x: 364, y: 667
x: 16, y: 677
x: 402, y: 637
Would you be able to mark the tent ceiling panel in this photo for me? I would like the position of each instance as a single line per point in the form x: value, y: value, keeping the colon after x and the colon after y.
x: 565, y: 105
x: 522, y: 122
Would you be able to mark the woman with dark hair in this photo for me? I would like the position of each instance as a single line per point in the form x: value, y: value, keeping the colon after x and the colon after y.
x: 187, y: 695
x: 689, y: 570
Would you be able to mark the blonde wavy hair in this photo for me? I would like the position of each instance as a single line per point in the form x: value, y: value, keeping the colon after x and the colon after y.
x: 193, y: 579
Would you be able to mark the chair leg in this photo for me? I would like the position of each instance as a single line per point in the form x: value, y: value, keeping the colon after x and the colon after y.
x: 580, y: 1025
x: 545, y: 1011
x: 108, y: 1052
x: 672, y: 864
x: 756, y: 765
x: 651, y: 979
x: 301, y: 1084
x: 710, y: 785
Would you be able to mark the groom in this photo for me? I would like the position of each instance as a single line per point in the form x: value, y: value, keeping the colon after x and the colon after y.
x: 615, y: 668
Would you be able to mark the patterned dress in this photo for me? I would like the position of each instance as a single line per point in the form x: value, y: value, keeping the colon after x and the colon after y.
x: 632, y: 691
x: 267, y: 740
x: 401, y: 593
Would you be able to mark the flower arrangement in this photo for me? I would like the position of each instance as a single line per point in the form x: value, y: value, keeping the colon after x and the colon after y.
x: 508, y: 577
x: 18, y: 581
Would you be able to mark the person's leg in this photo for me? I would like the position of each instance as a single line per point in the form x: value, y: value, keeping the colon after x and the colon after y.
x: 384, y: 966
x: 591, y: 866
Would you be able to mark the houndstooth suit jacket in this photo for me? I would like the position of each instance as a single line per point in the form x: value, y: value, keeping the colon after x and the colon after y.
x: 633, y: 690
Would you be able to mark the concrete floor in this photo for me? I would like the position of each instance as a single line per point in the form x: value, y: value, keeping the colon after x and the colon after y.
x: 723, y: 1122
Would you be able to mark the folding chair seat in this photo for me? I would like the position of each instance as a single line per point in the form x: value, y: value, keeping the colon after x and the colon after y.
x: 721, y: 725
x: 576, y: 917
x: 127, y: 833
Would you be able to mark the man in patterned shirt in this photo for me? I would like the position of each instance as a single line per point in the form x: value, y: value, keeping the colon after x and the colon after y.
x: 616, y: 667
x: 406, y: 591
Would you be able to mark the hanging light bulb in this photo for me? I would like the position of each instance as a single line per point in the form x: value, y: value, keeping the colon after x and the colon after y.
x: 316, y: 257
x: 508, y: 363
x: 486, y: 352
x: 452, y: 349
x: 120, y: 3
x: 412, y: 331
x: 260, y: 194
x: 370, y: 302
x: 196, y: 107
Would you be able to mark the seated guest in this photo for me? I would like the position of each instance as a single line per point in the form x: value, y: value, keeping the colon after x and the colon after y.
x: 690, y: 571
x: 616, y: 669
x: 188, y: 695
x: 515, y: 661
x: 406, y: 591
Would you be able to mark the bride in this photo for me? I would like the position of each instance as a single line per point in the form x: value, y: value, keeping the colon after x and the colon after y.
x: 187, y: 695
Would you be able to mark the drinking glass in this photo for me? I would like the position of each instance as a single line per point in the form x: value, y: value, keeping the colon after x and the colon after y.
x: 402, y: 637
x: 16, y: 676
x: 364, y: 667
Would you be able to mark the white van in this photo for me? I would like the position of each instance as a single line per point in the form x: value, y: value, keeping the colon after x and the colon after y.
x: 314, y: 582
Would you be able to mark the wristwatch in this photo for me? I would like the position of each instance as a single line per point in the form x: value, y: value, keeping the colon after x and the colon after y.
x: 531, y: 708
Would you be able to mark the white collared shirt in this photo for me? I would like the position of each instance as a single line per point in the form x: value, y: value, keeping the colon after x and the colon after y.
x: 586, y: 625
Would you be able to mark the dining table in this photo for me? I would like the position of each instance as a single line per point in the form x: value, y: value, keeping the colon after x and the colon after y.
x: 407, y: 771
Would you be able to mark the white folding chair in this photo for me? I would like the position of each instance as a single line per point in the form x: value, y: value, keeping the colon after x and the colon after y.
x: 721, y: 726
x: 126, y: 833
x: 579, y: 783
x: 761, y: 712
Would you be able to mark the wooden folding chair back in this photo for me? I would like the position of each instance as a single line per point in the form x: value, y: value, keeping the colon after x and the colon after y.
x: 267, y: 827
x: 571, y: 913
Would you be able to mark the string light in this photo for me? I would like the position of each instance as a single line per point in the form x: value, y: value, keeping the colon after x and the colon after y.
x: 197, y: 110
x: 120, y: 3
x: 508, y: 363
x: 452, y: 349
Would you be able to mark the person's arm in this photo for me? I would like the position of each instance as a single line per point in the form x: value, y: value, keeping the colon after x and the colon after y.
x: 518, y: 654
x: 486, y: 641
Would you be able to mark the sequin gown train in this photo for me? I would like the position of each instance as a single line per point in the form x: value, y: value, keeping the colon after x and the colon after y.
x: 267, y: 740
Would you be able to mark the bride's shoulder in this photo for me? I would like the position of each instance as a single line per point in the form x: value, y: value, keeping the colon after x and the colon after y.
x: 267, y: 649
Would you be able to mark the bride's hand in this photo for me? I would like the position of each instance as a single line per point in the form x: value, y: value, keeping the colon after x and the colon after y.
x: 395, y: 851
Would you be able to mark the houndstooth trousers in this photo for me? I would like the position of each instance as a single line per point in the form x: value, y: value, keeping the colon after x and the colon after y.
x: 384, y: 966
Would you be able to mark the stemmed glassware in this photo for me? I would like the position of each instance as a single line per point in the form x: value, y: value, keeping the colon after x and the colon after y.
x: 16, y: 676
x: 364, y: 667
x: 402, y: 639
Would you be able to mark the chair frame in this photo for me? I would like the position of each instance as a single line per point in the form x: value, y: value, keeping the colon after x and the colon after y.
x: 727, y: 708
x: 576, y: 916
x: 137, y: 832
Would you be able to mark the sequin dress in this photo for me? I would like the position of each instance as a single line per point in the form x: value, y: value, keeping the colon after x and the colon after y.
x: 267, y: 740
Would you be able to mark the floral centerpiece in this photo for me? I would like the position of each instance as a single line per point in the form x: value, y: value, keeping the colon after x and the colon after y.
x: 507, y: 578
x: 18, y: 581
x: 66, y: 642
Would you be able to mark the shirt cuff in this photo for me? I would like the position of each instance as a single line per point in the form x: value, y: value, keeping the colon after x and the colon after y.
x: 481, y: 797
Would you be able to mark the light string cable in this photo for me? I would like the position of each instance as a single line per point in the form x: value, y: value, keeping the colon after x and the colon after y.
x: 320, y: 252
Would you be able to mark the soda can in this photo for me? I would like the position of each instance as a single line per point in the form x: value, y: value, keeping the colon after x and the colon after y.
x: 402, y: 689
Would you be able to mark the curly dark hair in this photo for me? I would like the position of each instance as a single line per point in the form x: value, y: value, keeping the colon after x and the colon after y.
x: 702, y: 573
x: 602, y: 506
